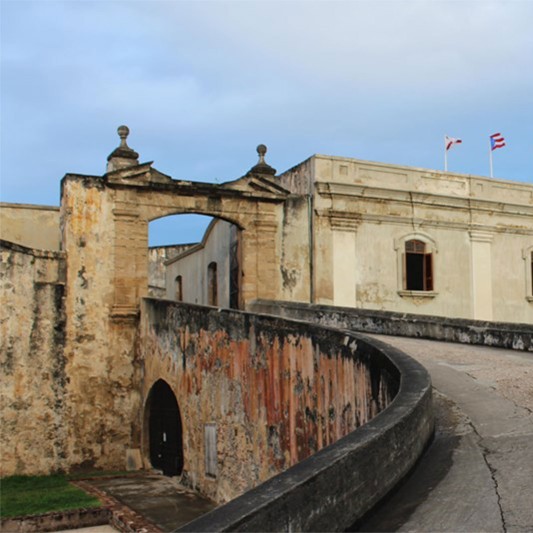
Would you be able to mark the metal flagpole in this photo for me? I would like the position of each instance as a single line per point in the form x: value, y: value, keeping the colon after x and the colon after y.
x: 445, y: 155
x: 490, y: 157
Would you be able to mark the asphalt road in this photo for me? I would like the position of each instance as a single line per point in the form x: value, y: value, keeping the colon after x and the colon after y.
x: 478, y: 473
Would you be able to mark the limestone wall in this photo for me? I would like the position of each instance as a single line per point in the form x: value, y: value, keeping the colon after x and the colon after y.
x: 32, y: 362
x: 277, y: 391
x: 34, y: 226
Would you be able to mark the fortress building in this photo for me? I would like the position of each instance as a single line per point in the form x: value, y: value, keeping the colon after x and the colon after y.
x: 98, y: 375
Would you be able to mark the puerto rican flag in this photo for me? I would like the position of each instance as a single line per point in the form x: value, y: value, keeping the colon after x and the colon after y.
x: 496, y: 141
x: 450, y: 141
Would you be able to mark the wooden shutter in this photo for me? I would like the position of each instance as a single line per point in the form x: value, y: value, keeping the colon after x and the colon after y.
x: 428, y: 272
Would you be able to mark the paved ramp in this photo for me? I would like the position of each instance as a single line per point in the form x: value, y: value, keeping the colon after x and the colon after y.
x: 478, y: 473
x: 160, y: 500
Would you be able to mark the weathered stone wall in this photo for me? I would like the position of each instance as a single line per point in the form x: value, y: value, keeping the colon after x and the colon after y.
x: 334, y: 488
x: 278, y: 391
x: 497, y: 334
x: 106, y: 249
x: 33, y: 226
x: 32, y: 362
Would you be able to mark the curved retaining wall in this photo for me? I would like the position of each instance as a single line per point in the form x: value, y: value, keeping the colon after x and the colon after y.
x: 336, y: 486
x: 498, y: 334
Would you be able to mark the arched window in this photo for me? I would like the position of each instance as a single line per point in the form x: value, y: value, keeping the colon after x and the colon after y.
x: 416, y: 256
x: 212, y: 285
x: 418, y: 269
x: 179, y: 289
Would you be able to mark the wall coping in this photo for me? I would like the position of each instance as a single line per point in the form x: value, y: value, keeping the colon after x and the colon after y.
x: 35, y: 252
x: 509, y: 335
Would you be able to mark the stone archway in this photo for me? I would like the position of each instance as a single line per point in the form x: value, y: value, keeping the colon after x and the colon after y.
x: 165, y: 436
x: 104, y: 222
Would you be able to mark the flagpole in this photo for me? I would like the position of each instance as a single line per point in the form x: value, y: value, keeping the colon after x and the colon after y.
x: 445, y: 156
x: 490, y: 157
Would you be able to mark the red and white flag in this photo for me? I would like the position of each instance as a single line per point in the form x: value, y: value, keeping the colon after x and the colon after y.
x: 450, y: 141
x: 496, y: 141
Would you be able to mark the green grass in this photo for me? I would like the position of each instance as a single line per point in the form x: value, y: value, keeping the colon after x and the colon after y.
x: 27, y: 495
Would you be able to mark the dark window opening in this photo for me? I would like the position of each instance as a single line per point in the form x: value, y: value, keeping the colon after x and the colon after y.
x: 165, y: 431
x: 234, y: 268
x: 179, y: 289
x: 418, y: 267
x: 212, y: 285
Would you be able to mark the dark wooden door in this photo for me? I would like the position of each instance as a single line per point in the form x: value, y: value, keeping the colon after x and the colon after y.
x: 166, y: 447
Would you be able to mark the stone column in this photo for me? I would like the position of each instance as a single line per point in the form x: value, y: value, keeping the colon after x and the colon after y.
x: 481, y: 275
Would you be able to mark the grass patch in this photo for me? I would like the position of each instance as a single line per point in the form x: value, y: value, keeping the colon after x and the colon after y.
x: 27, y: 495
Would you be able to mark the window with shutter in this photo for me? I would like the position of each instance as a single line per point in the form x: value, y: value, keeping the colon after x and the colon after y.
x: 418, y: 266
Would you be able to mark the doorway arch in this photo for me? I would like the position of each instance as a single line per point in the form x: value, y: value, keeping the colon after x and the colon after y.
x: 165, y: 438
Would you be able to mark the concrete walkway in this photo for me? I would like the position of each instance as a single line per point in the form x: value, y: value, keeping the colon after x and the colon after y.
x: 478, y: 473
x: 161, y: 501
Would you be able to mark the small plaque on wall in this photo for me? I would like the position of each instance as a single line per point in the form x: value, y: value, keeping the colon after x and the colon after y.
x: 210, y: 440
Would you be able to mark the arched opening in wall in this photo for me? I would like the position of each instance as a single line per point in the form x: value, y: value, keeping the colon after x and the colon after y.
x: 164, y: 430
x: 212, y: 284
x: 182, y: 250
x: 179, y: 288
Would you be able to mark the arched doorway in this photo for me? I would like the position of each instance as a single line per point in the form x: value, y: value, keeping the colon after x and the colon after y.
x: 165, y: 431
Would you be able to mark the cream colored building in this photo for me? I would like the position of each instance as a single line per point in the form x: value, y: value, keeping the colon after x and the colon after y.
x: 378, y: 236
x: 202, y: 274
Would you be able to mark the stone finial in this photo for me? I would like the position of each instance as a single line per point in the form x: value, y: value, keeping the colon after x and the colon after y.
x: 123, y: 156
x: 262, y: 167
x: 123, y: 132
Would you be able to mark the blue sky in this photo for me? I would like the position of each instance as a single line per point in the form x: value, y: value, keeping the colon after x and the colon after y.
x: 201, y: 83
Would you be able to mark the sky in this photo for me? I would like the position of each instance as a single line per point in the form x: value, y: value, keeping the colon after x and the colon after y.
x: 201, y: 83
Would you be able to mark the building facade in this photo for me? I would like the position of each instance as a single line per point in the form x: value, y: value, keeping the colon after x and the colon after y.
x: 378, y: 236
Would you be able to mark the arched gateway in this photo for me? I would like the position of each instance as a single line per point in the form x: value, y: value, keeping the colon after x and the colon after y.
x: 105, y: 237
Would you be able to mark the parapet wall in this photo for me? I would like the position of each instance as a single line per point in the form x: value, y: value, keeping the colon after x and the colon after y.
x: 294, y: 403
x: 33, y: 226
x: 497, y: 334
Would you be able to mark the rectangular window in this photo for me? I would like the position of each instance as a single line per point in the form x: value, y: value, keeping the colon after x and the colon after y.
x: 418, y: 267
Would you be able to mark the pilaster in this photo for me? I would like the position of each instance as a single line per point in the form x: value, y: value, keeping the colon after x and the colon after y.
x: 481, y: 246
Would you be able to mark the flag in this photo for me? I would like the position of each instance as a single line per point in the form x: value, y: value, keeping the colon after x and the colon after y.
x: 450, y: 141
x: 496, y: 141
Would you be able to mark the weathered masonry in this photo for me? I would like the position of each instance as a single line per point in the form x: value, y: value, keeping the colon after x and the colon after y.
x: 270, y: 391
x: 93, y: 369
